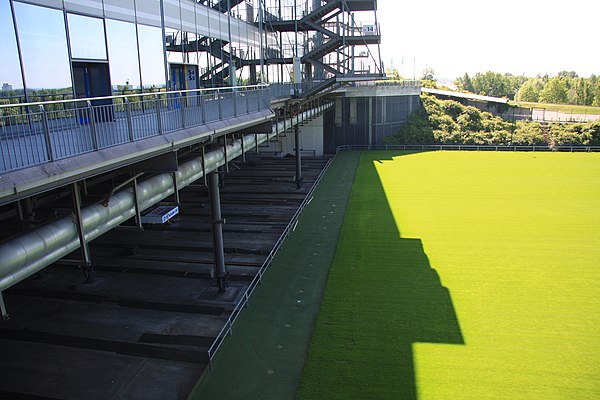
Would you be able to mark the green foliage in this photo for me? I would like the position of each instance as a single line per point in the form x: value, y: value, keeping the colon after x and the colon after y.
x: 491, y: 84
x: 555, y: 91
x: 528, y: 134
x: 393, y: 74
x: 428, y: 74
x: 450, y: 122
x: 530, y: 90
x: 575, y: 134
x: 465, y: 83
x: 565, y: 88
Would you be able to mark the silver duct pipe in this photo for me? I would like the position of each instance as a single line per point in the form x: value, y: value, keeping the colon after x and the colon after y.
x: 27, y: 254
x: 31, y: 252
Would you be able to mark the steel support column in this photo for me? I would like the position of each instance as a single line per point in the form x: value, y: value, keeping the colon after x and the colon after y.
x: 298, y: 157
x: 5, y: 315
x: 217, y: 230
x: 87, y: 267
x: 138, y: 213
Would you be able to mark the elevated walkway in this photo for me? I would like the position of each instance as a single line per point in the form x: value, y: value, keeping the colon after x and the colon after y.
x: 48, y: 145
x: 31, y: 252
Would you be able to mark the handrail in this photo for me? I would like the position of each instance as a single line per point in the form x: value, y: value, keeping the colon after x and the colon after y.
x: 469, y: 147
x: 136, y: 95
x: 41, y: 132
x: 291, y: 226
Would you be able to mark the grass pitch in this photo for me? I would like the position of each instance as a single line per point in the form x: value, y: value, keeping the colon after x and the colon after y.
x: 463, y: 275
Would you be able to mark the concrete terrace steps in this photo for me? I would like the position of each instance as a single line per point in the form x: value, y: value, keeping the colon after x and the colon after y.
x: 141, y: 329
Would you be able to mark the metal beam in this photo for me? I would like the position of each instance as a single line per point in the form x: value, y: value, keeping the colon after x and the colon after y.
x: 217, y: 230
x: 298, y: 158
x: 5, y: 315
x: 86, y: 266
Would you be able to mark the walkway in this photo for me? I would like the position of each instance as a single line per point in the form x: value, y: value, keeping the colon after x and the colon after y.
x: 265, y: 355
x: 44, y: 132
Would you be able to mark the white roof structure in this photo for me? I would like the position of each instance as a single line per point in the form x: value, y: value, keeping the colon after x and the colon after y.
x: 469, y: 96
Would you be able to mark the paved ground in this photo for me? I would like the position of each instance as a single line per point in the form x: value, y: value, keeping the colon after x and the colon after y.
x: 264, y: 357
x: 555, y: 116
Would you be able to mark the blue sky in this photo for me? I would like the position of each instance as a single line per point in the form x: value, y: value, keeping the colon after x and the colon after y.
x: 515, y: 36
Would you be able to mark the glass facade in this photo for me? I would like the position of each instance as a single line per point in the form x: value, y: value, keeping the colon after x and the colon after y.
x: 43, y: 40
x: 152, y: 44
x: 144, y: 45
x: 90, y: 46
x: 10, y: 70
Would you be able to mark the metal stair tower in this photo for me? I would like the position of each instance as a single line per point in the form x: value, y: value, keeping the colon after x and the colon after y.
x: 339, y: 48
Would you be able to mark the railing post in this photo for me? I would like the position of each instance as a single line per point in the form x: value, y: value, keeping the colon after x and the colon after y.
x: 92, y: 124
x: 234, y: 95
x: 247, y: 101
x: 158, y: 121
x: 182, y: 110
x: 220, y: 104
x: 129, y: 119
x: 47, y: 133
x: 203, y: 106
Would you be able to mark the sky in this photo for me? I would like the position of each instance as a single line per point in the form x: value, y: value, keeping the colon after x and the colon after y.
x: 527, y: 37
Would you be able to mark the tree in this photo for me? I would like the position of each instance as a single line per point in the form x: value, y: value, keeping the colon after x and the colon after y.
x: 530, y: 90
x: 393, y: 74
x: 492, y: 84
x: 428, y: 74
x: 465, y: 83
x: 555, y: 91
x: 568, y: 74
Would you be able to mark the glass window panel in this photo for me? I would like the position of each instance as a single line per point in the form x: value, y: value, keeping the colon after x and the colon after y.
x: 152, y: 57
x: 10, y: 69
x: 43, y: 46
x: 87, y: 37
x: 122, y: 55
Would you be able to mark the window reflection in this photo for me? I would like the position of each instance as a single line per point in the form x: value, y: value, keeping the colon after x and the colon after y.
x: 10, y: 70
x: 152, y: 57
x: 86, y: 35
x: 43, y: 46
x: 123, y: 55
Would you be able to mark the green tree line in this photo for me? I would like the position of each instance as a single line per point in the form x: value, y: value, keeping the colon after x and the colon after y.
x: 450, y: 122
x: 565, y: 88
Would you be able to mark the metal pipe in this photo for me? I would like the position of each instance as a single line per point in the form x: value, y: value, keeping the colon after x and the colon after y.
x: 119, y: 187
x: 27, y: 254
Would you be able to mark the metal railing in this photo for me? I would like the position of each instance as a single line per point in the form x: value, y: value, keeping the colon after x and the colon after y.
x: 42, y: 132
x: 469, y: 147
x: 286, y: 90
x: 291, y: 226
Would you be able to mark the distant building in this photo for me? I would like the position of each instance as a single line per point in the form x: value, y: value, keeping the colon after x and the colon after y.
x: 6, y: 87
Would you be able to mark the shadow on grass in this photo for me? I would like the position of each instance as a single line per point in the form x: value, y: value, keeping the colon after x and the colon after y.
x: 382, y: 297
x: 424, y: 304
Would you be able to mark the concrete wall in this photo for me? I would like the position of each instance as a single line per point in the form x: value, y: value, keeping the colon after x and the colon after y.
x: 366, y: 120
x: 311, y: 140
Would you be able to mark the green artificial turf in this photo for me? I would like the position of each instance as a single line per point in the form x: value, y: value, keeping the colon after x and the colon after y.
x: 463, y: 275
x: 263, y: 358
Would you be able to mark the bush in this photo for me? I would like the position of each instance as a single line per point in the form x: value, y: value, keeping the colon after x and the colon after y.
x: 450, y: 122
x: 570, y: 135
x: 529, y: 134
